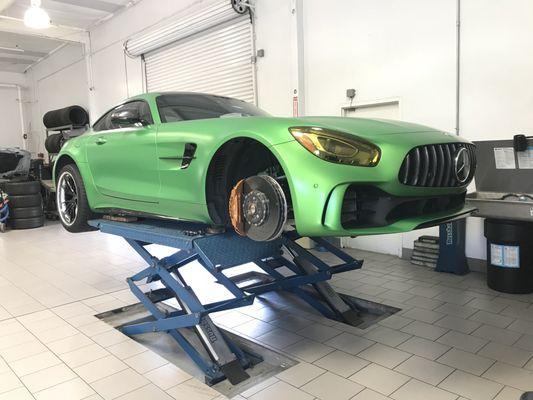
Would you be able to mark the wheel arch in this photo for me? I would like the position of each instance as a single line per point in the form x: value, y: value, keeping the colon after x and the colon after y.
x: 226, y: 168
x: 64, y: 159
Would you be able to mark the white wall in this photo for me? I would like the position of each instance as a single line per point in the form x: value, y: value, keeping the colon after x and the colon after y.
x: 13, y: 78
x: 497, y: 65
x: 11, y: 130
x: 390, y: 49
x: 58, y: 81
x: 384, y: 49
x: 272, y: 31
x: 115, y: 75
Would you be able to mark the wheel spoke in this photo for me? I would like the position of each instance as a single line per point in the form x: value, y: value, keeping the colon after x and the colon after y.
x: 70, y: 186
x: 67, y: 198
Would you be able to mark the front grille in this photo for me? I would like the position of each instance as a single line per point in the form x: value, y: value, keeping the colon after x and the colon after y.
x: 433, y: 165
x: 368, y: 206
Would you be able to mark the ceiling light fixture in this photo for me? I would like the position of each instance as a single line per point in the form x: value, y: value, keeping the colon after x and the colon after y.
x: 16, y: 48
x: 36, y: 17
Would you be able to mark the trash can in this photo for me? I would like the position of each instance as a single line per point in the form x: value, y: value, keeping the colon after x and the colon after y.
x: 509, y: 255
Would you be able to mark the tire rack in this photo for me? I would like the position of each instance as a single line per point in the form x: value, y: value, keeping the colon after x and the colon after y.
x: 62, y: 130
x: 47, y: 185
x: 216, y: 253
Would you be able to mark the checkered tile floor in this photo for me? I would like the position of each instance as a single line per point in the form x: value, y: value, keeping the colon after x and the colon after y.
x: 453, y: 339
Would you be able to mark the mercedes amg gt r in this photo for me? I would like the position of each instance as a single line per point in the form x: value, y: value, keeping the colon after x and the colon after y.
x: 225, y: 162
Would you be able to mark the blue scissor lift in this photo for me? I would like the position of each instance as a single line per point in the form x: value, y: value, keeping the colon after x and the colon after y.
x: 216, y: 253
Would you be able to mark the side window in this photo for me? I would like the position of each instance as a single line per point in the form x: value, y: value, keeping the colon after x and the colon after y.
x: 144, y: 111
x: 104, y: 123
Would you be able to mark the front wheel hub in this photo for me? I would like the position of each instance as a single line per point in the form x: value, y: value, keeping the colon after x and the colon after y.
x: 255, y: 207
x: 258, y: 208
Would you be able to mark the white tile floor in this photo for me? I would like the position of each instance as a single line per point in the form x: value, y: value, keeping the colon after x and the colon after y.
x: 453, y: 339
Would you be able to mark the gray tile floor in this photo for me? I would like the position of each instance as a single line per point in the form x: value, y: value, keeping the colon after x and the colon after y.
x: 453, y: 339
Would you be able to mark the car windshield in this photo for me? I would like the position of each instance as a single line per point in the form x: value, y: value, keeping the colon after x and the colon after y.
x: 188, y: 106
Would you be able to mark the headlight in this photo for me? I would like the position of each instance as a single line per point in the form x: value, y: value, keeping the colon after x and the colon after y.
x: 337, y: 147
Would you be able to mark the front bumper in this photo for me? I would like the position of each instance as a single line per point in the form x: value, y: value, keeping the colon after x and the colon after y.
x: 366, y: 210
x: 318, y: 191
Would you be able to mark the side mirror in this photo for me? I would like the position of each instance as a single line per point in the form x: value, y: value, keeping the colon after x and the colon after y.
x: 127, y: 117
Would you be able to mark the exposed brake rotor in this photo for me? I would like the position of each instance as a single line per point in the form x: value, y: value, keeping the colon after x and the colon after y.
x: 258, y: 208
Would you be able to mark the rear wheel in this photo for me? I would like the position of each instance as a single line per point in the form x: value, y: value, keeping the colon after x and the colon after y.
x: 72, y: 205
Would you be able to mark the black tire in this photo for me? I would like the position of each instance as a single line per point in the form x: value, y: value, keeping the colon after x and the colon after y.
x: 84, y: 213
x: 22, y: 188
x: 53, y: 143
x: 74, y: 115
x: 25, y: 212
x: 26, y: 200
x: 27, y: 223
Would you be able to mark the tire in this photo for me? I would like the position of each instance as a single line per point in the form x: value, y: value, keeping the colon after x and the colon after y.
x: 22, y: 188
x: 83, y: 213
x: 25, y: 212
x: 72, y: 115
x: 53, y: 143
x: 27, y: 200
x: 27, y: 223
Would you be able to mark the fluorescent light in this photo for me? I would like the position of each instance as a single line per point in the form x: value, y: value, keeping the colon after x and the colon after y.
x: 12, y: 49
x: 36, y: 17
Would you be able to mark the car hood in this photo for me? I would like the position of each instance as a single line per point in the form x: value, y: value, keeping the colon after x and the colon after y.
x: 378, y: 131
x: 365, y: 127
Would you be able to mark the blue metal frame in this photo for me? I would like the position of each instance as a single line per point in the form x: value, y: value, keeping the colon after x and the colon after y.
x: 215, y: 253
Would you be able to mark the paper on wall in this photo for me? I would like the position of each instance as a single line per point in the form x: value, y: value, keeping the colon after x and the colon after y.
x: 496, y: 255
x: 511, y: 256
x: 504, y: 158
x: 525, y: 158
x: 504, y: 256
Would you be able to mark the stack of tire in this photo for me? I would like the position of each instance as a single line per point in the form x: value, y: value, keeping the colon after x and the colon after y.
x: 54, y: 142
x: 25, y: 204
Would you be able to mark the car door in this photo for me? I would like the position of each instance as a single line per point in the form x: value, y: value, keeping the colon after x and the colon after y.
x: 180, y: 139
x: 123, y: 159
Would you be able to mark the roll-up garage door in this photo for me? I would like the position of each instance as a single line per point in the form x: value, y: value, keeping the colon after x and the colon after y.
x: 216, y: 61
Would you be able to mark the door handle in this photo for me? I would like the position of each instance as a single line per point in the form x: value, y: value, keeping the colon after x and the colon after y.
x: 100, y: 140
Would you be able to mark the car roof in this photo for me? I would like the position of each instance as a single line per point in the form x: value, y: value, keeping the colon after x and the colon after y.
x: 153, y: 95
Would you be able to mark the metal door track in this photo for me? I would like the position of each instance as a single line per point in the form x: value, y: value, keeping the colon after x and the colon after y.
x: 216, y: 253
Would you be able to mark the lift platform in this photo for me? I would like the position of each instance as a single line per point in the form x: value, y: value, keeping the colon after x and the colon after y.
x: 216, y: 253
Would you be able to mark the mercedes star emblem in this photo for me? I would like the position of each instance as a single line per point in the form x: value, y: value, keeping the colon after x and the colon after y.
x: 462, y: 165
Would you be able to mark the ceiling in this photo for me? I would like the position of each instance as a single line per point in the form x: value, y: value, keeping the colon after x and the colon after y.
x: 18, y: 52
x: 75, y: 13
x: 21, y: 47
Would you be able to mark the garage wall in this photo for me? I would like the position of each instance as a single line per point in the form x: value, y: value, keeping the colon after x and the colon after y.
x: 496, y: 77
x: 115, y: 75
x: 385, y: 50
x: 10, y: 129
x: 13, y: 78
x: 406, y: 50
x: 274, y: 70
x: 497, y: 65
x: 58, y: 81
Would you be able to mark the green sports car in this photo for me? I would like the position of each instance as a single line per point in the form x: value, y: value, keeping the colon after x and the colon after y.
x: 226, y: 163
